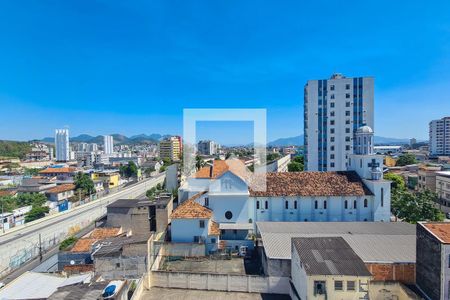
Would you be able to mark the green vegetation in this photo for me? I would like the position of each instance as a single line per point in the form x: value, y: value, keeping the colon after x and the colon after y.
x: 14, y: 149
x: 199, y: 162
x: 67, y: 243
x: 129, y: 170
x: 406, y: 159
x: 31, y: 172
x: 272, y: 157
x: 9, y: 203
x: 412, y: 207
x: 297, y: 164
x: 36, y: 212
x: 155, y: 191
x: 84, y: 183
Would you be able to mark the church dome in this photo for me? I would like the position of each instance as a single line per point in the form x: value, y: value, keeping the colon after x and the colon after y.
x: 364, y: 129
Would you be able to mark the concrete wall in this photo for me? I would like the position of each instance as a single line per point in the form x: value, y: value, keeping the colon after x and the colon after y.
x: 182, y: 249
x: 134, y: 219
x: 428, y: 263
x: 184, y: 230
x: 219, y: 282
x: 120, y: 267
x: 405, y: 273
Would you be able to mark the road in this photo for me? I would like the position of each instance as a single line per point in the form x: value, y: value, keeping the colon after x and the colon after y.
x: 21, y: 244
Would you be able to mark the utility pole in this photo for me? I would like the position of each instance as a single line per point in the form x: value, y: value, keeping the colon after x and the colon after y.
x: 3, y: 223
x: 40, y: 248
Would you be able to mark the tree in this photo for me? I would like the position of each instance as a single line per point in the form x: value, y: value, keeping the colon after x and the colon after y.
x: 36, y: 212
x: 398, y: 183
x: 84, y: 183
x: 272, y: 156
x: 406, y: 159
x: 413, y: 208
x: 129, y: 170
x: 295, y: 167
x: 199, y: 162
x: 34, y: 199
x: 31, y: 171
x: 299, y: 159
x: 8, y: 203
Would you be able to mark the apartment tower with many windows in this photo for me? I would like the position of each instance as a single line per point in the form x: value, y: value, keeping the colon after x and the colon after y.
x: 440, y: 137
x: 333, y: 110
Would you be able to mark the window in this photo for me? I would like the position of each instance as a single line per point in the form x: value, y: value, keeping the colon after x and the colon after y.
x: 354, y: 204
x: 257, y: 204
x: 347, y: 122
x: 347, y: 130
x: 286, y: 204
x: 332, y: 139
x: 117, y: 265
x: 206, y: 201
x: 332, y: 165
x: 331, y: 156
x: 347, y: 86
x: 319, y: 287
x: 347, y: 96
x: 338, y: 286
x: 267, y: 205
x: 350, y: 285
x: 365, y: 202
x: 213, y: 240
x: 347, y: 139
x: 325, y: 204
x: 360, y: 163
x: 347, y: 104
x: 201, y: 223
x: 316, y: 204
x: 332, y: 104
x: 345, y: 204
x: 196, y: 239
x: 332, y: 87
x: 332, y: 148
x: 332, y: 113
x: 228, y: 215
x: 331, y: 122
x: 382, y: 197
x: 295, y: 204
x: 347, y: 147
x: 332, y: 130
x: 332, y: 96
x: 347, y: 113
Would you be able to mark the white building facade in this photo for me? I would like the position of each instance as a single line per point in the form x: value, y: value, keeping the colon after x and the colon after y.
x: 440, y: 137
x: 62, y: 145
x: 207, y: 147
x: 333, y: 109
x: 108, y: 144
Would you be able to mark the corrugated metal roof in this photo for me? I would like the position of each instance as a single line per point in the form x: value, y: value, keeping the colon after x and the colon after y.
x: 371, y: 241
x: 329, y: 256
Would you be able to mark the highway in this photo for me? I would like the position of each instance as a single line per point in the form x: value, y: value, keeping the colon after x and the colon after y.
x: 21, y: 244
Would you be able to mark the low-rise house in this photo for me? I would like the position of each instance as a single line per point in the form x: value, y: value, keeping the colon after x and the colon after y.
x: 327, y: 268
x: 160, y: 209
x: 6, y: 220
x: 192, y: 223
x: 427, y: 177
x: 110, y: 178
x: 443, y: 187
x: 133, y: 215
x: 37, y: 184
x: 59, y: 196
x: 61, y: 172
x: 19, y: 214
x: 121, y: 257
x: 433, y: 259
x: 387, y: 248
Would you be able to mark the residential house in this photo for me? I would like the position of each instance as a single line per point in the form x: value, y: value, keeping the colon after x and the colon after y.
x: 133, y: 215
x: 110, y: 178
x: 59, y: 196
x: 443, y: 187
x: 36, y: 184
x: 61, y: 172
x: 327, y: 268
x: 427, y: 177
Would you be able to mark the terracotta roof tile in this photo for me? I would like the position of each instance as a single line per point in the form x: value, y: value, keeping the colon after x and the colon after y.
x: 345, y: 183
x: 213, y: 228
x: 61, y: 188
x: 83, y: 245
x: 58, y: 170
x: 190, y: 209
x: 78, y: 268
x: 440, y: 230
x: 7, y: 192
x: 220, y: 167
x: 103, y: 233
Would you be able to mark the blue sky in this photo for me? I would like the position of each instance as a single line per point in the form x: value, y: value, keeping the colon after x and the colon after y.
x: 131, y: 67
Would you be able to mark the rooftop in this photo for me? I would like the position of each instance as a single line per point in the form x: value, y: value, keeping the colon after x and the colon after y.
x: 51, y: 170
x: 220, y: 167
x: 443, y: 173
x: 61, y: 188
x: 190, y: 209
x: 329, y: 256
x: 84, y: 291
x: 129, y: 203
x: 345, y: 183
x: 441, y: 230
x: 372, y: 241
x: 114, y: 245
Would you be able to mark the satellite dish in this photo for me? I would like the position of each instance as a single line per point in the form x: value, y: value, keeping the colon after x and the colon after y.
x: 72, y: 262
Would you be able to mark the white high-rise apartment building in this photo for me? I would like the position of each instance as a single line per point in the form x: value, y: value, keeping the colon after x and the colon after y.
x: 440, y: 137
x: 108, y: 144
x: 333, y: 110
x: 62, y: 145
x: 207, y: 147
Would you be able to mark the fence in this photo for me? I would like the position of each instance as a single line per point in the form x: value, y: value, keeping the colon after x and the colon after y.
x: 220, y: 282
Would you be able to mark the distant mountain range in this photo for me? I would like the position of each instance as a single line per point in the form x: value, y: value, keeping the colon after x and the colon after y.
x: 118, y: 139
x: 298, y: 141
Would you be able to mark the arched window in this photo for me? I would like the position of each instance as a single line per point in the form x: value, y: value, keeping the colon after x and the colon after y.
x: 325, y: 204
x: 257, y: 204
x: 354, y: 204
x: 345, y: 204
x: 286, y: 204
x: 316, y: 204
x: 295, y: 204
x: 365, y: 202
x: 267, y: 204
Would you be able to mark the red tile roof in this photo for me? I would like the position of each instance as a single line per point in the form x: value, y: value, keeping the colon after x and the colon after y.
x: 440, y: 230
x: 104, y: 232
x: 83, y: 245
x: 213, y: 228
x: 220, y: 167
x: 58, y: 170
x: 61, y: 188
x: 7, y: 192
x: 190, y: 209
x: 346, y: 183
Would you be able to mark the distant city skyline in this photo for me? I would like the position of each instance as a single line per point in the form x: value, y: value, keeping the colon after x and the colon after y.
x: 131, y: 68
